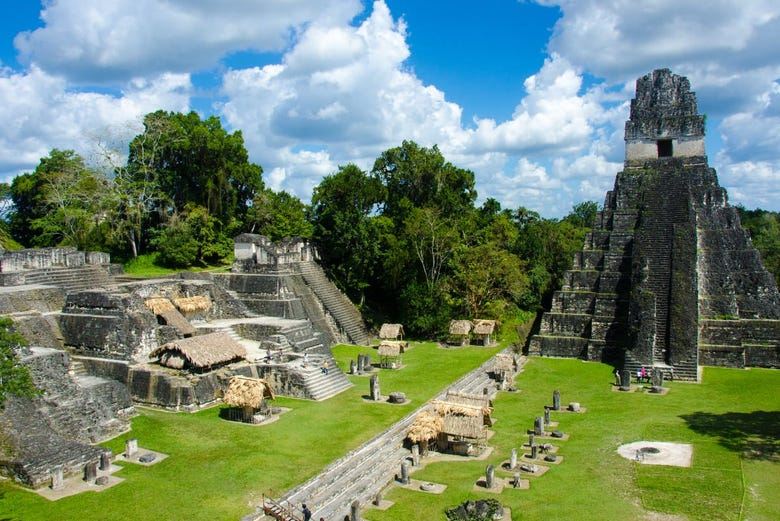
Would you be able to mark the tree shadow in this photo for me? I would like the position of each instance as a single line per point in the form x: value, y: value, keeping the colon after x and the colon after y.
x: 754, y: 435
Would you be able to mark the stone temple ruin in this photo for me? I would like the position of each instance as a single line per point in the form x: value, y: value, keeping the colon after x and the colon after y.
x: 102, y: 342
x: 667, y: 278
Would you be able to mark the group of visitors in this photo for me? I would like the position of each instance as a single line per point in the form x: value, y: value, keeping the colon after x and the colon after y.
x: 644, y: 375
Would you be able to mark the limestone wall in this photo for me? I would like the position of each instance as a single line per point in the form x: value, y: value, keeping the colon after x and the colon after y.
x: 12, y: 261
x: 642, y: 149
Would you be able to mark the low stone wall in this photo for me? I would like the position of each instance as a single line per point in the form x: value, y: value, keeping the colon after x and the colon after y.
x: 19, y: 299
x: 14, y: 261
x: 180, y: 391
x: 762, y: 356
x: 39, y: 330
x: 559, y: 346
x: 740, y: 343
x: 285, y: 380
x: 722, y: 356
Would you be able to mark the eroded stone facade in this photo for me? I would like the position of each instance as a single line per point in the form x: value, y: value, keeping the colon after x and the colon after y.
x: 667, y: 277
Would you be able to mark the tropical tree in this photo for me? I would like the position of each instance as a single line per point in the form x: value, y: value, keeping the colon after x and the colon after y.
x: 764, y: 228
x: 196, y: 161
x: 15, y: 378
x: 192, y: 238
x: 61, y: 203
x: 278, y: 215
x: 350, y: 236
x: 419, y: 177
x: 434, y: 241
x: 139, y: 202
x: 487, y: 276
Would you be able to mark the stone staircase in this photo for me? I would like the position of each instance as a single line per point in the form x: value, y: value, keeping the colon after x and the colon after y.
x: 320, y: 386
x: 343, y: 311
x: 77, y: 368
x: 277, y: 511
x: 73, y: 279
x: 368, y: 469
x: 681, y: 370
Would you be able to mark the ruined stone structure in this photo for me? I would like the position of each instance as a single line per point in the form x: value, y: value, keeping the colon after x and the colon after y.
x: 95, y: 334
x: 52, y: 433
x: 284, y: 280
x: 667, y: 277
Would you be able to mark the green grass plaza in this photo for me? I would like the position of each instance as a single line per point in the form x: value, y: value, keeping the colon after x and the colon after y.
x: 219, y: 470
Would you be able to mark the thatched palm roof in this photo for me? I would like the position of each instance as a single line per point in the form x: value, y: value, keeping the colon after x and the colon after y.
x: 460, y: 327
x: 445, y: 409
x: 159, y: 305
x: 390, y: 348
x: 465, y: 426
x: 192, y: 304
x: 243, y: 391
x: 477, y: 400
x: 504, y: 362
x: 485, y: 327
x: 426, y: 426
x: 200, y: 351
x: 389, y: 331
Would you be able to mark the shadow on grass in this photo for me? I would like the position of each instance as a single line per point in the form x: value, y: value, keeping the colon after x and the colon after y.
x: 752, y: 434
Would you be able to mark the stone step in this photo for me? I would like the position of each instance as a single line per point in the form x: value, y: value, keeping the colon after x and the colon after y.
x: 337, y: 304
x: 320, y: 386
x: 77, y: 368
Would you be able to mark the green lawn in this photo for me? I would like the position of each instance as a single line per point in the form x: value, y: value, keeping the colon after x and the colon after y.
x: 726, y: 416
x: 218, y: 470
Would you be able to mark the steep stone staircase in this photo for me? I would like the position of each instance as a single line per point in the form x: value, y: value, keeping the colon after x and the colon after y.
x: 343, y: 311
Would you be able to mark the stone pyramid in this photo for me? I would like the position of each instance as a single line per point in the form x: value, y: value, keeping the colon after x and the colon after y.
x: 667, y: 277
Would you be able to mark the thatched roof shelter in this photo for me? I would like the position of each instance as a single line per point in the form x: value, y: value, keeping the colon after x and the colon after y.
x: 479, y: 400
x: 426, y: 426
x: 391, y: 347
x: 199, y: 352
x: 444, y: 408
x: 504, y: 363
x: 463, y: 420
x: 460, y: 327
x: 192, y: 304
x: 243, y: 391
x: 463, y: 426
x: 170, y: 316
x: 390, y: 351
x: 391, y: 331
x: 485, y: 327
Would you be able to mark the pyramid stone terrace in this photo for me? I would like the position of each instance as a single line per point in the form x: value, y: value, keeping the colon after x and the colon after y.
x: 667, y: 277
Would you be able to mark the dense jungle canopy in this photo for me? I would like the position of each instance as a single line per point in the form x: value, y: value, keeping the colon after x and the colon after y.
x: 405, y: 240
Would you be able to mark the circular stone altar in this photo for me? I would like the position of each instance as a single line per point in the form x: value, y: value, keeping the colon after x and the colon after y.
x: 658, y: 453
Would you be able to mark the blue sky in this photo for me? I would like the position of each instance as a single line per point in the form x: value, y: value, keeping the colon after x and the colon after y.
x: 530, y: 95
